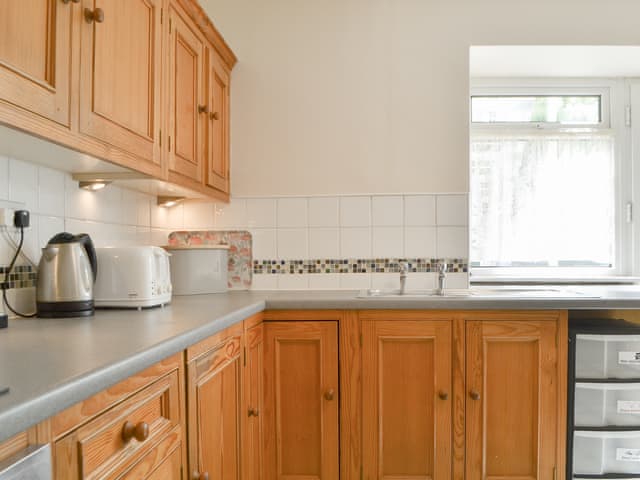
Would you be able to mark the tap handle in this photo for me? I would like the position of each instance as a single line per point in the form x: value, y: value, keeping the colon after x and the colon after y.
x: 404, y: 267
x: 442, y: 268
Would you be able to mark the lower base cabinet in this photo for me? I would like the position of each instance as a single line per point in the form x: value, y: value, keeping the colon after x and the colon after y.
x: 301, y: 400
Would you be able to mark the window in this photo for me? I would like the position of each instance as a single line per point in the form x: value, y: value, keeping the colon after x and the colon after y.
x: 543, y: 183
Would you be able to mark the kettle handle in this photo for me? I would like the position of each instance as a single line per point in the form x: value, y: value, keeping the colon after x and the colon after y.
x: 86, y: 242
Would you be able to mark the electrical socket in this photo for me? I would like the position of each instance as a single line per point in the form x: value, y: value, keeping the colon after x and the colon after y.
x: 6, y: 217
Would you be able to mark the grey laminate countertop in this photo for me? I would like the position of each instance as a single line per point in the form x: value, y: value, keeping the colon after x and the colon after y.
x: 50, y: 365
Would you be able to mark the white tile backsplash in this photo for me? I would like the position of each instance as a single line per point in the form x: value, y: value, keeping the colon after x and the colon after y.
x: 355, y: 211
x: 324, y: 243
x: 293, y: 243
x: 292, y: 212
x: 386, y: 211
x: 419, y: 210
x: 355, y: 242
x: 323, y: 212
x: 452, y: 210
x: 299, y: 228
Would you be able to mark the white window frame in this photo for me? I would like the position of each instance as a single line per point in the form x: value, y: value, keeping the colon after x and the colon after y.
x: 615, y: 96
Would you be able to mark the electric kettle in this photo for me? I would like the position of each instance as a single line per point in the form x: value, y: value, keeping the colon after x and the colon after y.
x: 66, y: 274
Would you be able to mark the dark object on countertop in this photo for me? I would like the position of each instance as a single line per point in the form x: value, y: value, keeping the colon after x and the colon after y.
x: 4, y: 321
x: 3, y: 390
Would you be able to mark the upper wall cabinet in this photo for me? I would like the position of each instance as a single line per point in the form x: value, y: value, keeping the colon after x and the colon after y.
x: 120, y: 75
x: 218, y: 137
x: 143, y: 84
x: 187, y: 105
x: 35, y: 57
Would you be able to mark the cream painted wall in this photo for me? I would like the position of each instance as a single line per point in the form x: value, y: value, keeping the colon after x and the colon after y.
x: 370, y: 96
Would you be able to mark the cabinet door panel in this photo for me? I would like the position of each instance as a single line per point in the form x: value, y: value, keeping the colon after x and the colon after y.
x: 406, y: 399
x: 511, y: 412
x: 186, y: 69
x: 254, y: 411
x: 214, y: 411
x: 120, y: 76
x: 218, y: 168
x: 301, y: 400
x: 35, y: 56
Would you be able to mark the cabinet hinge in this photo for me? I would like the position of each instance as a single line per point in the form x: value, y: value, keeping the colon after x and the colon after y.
x: 555, y: 473
x: 169, y: 142
x: 161, y: 15
x: 627, y: 115
x: 628, y: 212
x: 181, y: 472
x: 160, y: 135
x: 361, y: 473
x: 361, y: 340
x: 244, y: 355
x: 169, y: 25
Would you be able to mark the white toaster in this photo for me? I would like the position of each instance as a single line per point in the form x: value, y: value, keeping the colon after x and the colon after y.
x: 132, y: 277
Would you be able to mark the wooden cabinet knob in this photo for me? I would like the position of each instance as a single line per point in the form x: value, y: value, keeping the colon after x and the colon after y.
x: 474, y: 395
x: 203, y: 109
x: 214, y: 115
x: 96, y: 15
x: 253, y: 412
x: 328, y: 395
x: 139, y: 431
x: 443, y: 395
x: 200, y: 476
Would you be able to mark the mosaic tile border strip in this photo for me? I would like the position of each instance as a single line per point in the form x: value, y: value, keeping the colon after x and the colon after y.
x: 23, y: 276
x: 357, y: 265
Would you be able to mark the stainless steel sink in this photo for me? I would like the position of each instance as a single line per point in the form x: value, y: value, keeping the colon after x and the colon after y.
x: 479, y: 293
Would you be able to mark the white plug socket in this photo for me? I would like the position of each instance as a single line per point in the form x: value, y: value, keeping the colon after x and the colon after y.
x: 6, y: 217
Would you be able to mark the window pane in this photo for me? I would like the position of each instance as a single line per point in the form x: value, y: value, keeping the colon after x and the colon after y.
x: 542, y: 200
x: 573, y: 110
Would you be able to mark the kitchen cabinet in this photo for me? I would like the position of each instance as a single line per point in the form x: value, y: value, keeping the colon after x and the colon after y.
x: 218, y: 126
x: 188, y: 111
x: 214, y: 389
x: 120, y: 70
x: 143, y: 84
x: 253, y: 405
x: 301, y: 400
x: 35, y: 57
x: 131, y: 430
x: 406, y: 398
x: 512, y: 399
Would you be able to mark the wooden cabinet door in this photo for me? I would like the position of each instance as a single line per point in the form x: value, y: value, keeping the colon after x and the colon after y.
x: 35, y: 56
x: 301, y: 400
x: 512, y: 399
x: 253, y: 411
x: 214, y: 409
x: 407, y: 406
x: 187, y: 104
x: 218, y: 135
x: 120, y: 76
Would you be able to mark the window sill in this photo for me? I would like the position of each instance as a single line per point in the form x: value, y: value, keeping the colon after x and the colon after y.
x: 524, y: 280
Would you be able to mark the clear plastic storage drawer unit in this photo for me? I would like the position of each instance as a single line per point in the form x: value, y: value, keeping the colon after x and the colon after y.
x: 607, y: 356
x: 600, y: 453
x: 607, y: 405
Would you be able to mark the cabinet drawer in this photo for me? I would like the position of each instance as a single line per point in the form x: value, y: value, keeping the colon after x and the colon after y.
x: 607, y: 356
x: 607, y: 404
x: 600, y: 453
x: 163, y: 462
x: 125, y: 431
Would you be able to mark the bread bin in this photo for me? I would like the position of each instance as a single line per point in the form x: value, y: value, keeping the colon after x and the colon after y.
x: 198, y: 269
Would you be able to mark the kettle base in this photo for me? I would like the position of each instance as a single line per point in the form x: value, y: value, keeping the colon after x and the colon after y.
x: 65, y: 309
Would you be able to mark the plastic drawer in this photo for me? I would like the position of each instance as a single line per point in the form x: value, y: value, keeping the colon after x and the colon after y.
x: 607, y: 356
x: 607, y: 404
x: 599, y: 453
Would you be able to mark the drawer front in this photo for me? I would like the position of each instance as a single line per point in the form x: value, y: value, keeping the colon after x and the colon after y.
x: 607, y: 404
x: 607, y: 356
x: 129, y: 428
x: 163, y: 462
x: 600, y: 453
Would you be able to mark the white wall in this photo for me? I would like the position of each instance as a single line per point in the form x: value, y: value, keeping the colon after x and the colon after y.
x: 370, y: 96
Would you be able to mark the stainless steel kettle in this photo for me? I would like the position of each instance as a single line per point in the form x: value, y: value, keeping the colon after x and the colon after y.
x: 66, y: 274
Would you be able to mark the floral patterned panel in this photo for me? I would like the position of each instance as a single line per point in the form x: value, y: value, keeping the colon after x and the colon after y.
x: 239, y: 241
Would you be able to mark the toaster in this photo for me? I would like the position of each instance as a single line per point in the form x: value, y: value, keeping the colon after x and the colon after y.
x: 132, y: 277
